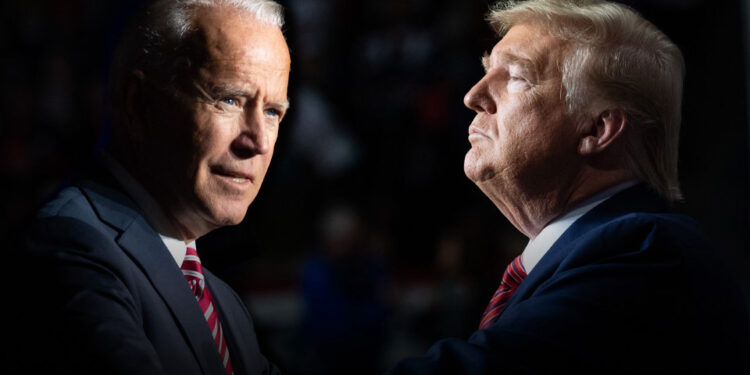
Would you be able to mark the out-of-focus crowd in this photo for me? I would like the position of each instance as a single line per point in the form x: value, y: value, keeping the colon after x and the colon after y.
x: 366, y: 243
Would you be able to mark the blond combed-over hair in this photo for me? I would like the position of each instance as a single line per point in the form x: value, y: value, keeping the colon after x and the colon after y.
x: 615, y: 56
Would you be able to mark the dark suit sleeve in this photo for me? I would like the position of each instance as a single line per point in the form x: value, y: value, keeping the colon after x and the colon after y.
x: 555, y: 331
x: 266, y: 367
x: 81, y: 314
x: 635, y: 301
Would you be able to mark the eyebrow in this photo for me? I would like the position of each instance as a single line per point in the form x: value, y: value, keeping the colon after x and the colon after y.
x: 223, y: 91
x: 283, y: 105
x: 509, y: 59
x: 486, y: 62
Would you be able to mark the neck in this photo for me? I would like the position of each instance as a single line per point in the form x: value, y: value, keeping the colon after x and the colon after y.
x: 530, y: 213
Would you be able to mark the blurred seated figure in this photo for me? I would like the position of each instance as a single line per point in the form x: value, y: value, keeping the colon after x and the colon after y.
x: 343, y: 287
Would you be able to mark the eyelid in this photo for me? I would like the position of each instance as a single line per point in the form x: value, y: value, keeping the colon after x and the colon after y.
x: 280, y: 107
x: 222, y: 103
x: 279, y: 111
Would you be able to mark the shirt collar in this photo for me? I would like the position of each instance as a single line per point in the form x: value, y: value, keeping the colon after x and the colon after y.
x: 537, y: 247
x: 177, y: 248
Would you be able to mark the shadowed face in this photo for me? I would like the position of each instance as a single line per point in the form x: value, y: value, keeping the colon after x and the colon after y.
x: 522, y: 138
x: 213, y: 138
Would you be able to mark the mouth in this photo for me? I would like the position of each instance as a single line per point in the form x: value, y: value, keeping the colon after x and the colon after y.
x: 475, y: 131
x: 233, y: 175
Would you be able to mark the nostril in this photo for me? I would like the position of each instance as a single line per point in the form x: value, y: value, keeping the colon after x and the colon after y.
x: 243, y: 153
x: 476, y: 99
x: 243, y: 147
x: 247, y: 145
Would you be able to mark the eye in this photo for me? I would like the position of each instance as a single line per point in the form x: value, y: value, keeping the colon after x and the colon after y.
x: 272, y: 112
x: 517, y: 84
x: 229, y: 101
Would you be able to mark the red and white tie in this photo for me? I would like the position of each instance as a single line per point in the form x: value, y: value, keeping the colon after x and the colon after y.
x: 191, y: 268
x: 513, y: 276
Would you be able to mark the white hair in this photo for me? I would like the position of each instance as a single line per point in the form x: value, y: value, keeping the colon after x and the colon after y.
x: 156, y: 42
x: 617, y: 56
x: 179, y: 13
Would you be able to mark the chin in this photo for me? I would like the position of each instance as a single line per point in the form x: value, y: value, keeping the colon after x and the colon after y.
x: 226, y: 220
x: 229, y: 213
x: 473, y: 166
x: 236, y: 216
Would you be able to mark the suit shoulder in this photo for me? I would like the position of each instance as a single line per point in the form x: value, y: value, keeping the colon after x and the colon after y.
x: 102, y: 207
x: 651, y: 229
x: 72, y: 202
x: 69, y: 221
x: 634, y: 238
x: 67, y: 201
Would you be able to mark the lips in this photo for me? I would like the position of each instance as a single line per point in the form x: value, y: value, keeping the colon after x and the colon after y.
x: 234, y: 175
x: 473, y: 130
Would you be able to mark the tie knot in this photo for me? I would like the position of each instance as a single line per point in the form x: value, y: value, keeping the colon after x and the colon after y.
x: 514, y: 273
x: 191, y: 268
x: 513, y: 276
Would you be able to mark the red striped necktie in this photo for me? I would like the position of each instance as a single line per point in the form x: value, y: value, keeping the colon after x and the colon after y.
x: 191, y: 268
x: 513, y: 276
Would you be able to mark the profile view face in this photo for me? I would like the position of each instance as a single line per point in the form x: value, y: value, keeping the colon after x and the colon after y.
x: 522, y: 132
x: 221, y: 124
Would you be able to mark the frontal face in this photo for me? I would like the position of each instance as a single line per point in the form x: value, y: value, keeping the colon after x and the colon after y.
x: 522, y: 138
x: 223, y: 126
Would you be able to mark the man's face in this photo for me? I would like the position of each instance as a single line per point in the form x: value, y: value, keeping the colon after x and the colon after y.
x: 522, y: 138
x: 214, y: 137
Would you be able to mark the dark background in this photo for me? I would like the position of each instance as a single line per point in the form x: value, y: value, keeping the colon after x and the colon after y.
x: 367, y: 242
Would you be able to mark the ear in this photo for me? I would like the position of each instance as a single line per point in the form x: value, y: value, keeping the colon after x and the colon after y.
x: 133, y: 96
x: 607, y: 127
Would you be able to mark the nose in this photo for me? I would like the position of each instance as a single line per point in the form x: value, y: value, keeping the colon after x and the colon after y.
x: 257, y: 135
x: 479, y: 99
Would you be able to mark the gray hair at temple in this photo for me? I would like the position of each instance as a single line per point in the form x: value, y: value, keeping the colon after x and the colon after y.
x: 157, y: 42
x: 617, y: 56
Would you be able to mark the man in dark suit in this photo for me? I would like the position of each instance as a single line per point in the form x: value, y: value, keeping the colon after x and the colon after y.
x: 575, y: 141
x: 199, y: 90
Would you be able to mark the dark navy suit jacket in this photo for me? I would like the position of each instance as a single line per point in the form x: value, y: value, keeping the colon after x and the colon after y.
x: 108, y: 297
x: 629, y: 288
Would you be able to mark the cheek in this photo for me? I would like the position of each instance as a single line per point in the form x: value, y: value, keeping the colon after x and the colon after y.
x: 513, y: 131
x: 213, y: 137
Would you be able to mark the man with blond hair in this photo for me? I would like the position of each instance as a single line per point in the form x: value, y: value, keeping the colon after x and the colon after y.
x: 199, y: 88
x: 575, y: 141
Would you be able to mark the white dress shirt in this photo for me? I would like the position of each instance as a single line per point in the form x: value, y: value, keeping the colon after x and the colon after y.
x: 151, y: 209
x: 537, y: 247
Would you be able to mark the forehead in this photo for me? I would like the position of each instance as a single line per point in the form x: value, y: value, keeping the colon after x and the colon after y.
x: 528, y: 45
x: 225, y: 34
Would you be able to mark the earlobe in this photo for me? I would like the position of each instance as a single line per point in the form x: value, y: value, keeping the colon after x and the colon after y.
x: 133, y: 103
x: 607, y: 127
x: 586, y: 146
x: 133, y: 90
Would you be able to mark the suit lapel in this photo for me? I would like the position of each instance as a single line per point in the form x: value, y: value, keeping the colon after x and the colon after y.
x: 146, y: 249
x: 635, y: 199
x: 234, y: 322
x: 167, y: 279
